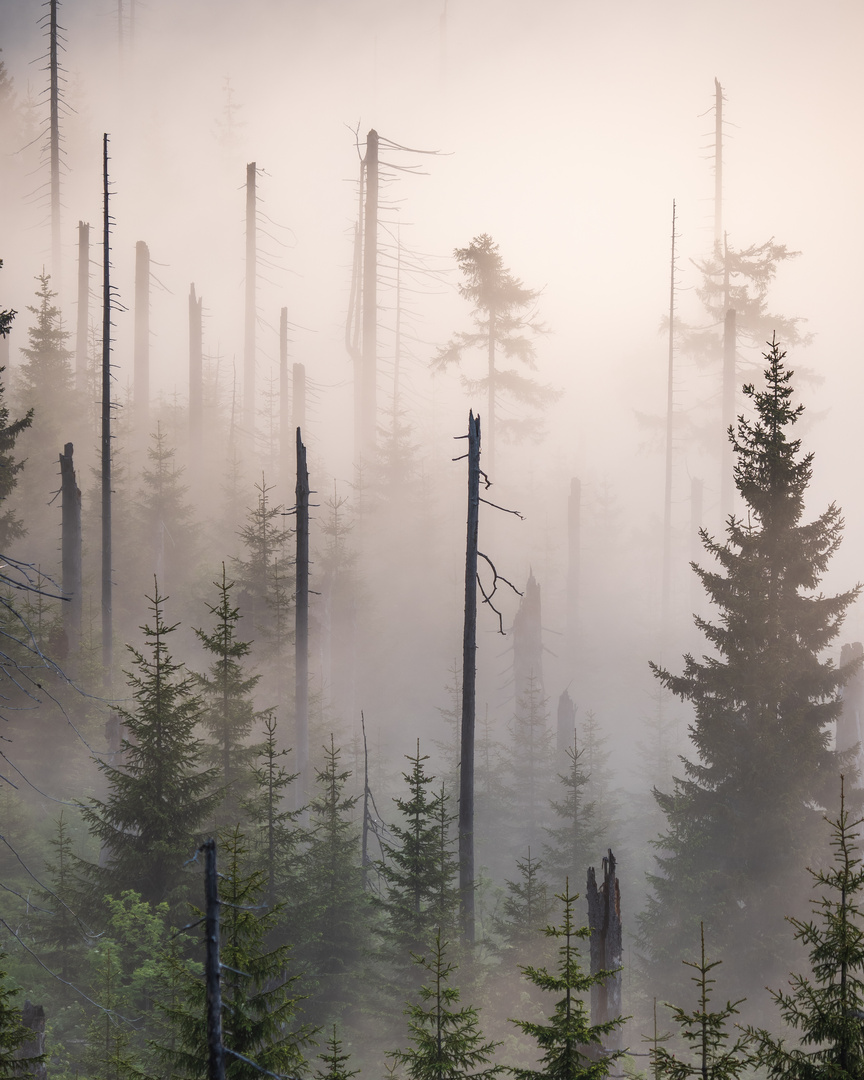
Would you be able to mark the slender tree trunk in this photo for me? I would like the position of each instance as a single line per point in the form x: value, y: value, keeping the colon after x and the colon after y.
x: 83, y: 307
x: 196, y: 373
x: 284, y: 405
x: 70, y: 501
x: 727, y: 456
x: 212, y: 966
x: 298, y: 394
x: 107, y: 626
x: 251, y: 302
x: 469, y: 682
x: 54, y: 143
x: 370, y: 300
x: 490, y: 395
x: 667, y: 493
x: 718, y: 163
x: 604, y: 919
x: 574, y: 529
x: 142, y: 340
x: 301, y: 615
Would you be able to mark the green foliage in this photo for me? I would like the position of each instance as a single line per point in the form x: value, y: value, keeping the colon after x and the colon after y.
x: 447, y: 1041
x: 333, y: 910
x: 525, y: 908
x: 530, y: 763
x: 61, y: 934
x: 259, y: 1005
x: 264, y: 575
x: 13, y: 1034
x: 742, y: 820
x: 417, y: 871
x: 505, y: 327
x: 574, y: 840
x: 335, y: 1061
x: 705, y: 1032
x: 46, y: 375
x: 570, y: 1045
x: 827, y: 1007
x: 229, y: 711
x: 159, y: 798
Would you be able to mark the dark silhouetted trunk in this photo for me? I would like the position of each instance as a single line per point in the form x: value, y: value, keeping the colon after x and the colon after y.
x: 727, y: 455
x: 54, y: 142
x: 604, y: 919
x: 301, y: 616
x: 107, y: 628
x: 370, y: 300
x: 212, y: 967
x: 83, y: 307
x: 70, y: 500
x: 469, y: 681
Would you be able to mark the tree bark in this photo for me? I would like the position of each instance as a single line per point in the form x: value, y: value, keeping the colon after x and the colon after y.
x: 469, y: 681
x: 604, y: 919
x: 215, y: 1048
x: 301, y: 631
x: 107, y: 622
x: 70, y: 503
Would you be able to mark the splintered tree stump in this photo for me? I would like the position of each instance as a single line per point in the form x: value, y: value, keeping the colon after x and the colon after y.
x: 604, y: 919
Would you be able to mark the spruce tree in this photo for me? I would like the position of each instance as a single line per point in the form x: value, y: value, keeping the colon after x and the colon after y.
x: 447, y: 1041
x: 827, y: 1007
x: 573, y: 841
x: 259, y: 1000
x: 335, y: 1061
x: 705, y: 1032
x: 11, y: 526
x: 530, y: 760
x: 157, y: 802
x: 333, y: 910
x: 13, y: 1034
x: 229, y: 711
x: 569, y: 1044
x: 743, y: 818
x: 418, y: 870
x: 61, y: 933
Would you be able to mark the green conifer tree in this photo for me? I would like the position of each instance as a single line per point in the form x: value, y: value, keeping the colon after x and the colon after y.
x: 11, y: 526
x: 827, y: 1007
x: 333, y: 911
x: 568, y: 1042
x: 573, y: 842
x: 417, y: 872
x: 335, y: 1061
x: 229, y: 710
x: 447, y: 1041
x: 13, y: 1034
x: 706, y: 1033
x: 61, y: 933
x: 530, y: 761
x: 743, y: 819
x: 159, y: 799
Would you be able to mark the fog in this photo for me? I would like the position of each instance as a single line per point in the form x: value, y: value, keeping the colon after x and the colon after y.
x: 564, y: 131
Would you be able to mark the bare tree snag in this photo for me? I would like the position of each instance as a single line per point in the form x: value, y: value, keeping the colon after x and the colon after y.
x: 469, y: 683
x: 566, y: 724
x: 727, y: 485
x: 301, y: 625
x: 251, y: 301
x: 141, y: 362
x: 718, y: 163
x: 83, y: 317
x: 667, y: 492
x: 528, y: 641
x: 574, y: 526
x: 54, y: 141
x: 370, y: 300
x: 298, y: 394
x: 70, y: 502
x: 107, y: 627
x: 212, y: 966
x: 604, y: 920
x: 196, y: 372
x: 284, y: 405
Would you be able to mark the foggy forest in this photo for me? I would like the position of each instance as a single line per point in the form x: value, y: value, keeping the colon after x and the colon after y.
x: 430, y: 541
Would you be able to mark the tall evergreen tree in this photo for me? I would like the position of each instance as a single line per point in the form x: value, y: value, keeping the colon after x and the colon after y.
x: 568, y: 1042
x: 417, y: 872
x: 159, y: 799
x: 333, y: 914
x: 827, y: 1008
x: 447, y: 1041
x: 264, y: 573
x: 13, y: 1034
x: 530, y: 760
x: 11, y: 526
x: 743, y: 818
x: 46, y: 376
x: 229, y: 711
x: 506, y: 326
x: 572, y: 843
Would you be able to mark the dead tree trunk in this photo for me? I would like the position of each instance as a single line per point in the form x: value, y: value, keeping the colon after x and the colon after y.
x: 528, y: 641
x: 728, y: 418
x: 574, y: 525
x: 604, y: 919
x: 370, y: 299
x: 718, y: 163
x: 196, y: 373
x: 70, y: 502
x: 667, y: 493
x: 54, y: 142
x: 32, y: 1018
x: 298, y: 394
x: 107, y: 627
x: 251, y: 302
x: 469, y: 682
x: 83, y: 307
x: 695, y: 545
x: 301, y: 630
x: 284, y: 405
x: 566, y: 724
x: 141, y: 362
x: 212, y: 966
